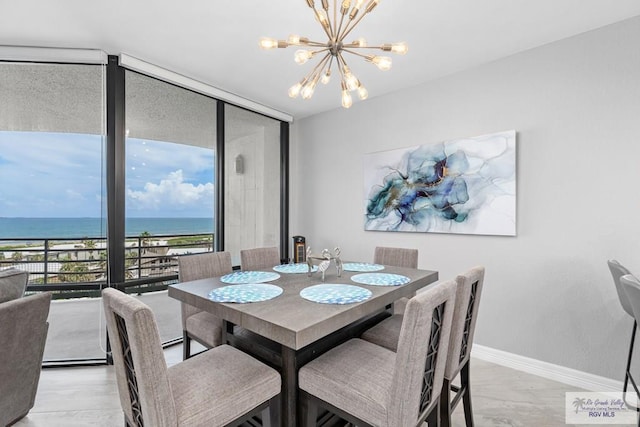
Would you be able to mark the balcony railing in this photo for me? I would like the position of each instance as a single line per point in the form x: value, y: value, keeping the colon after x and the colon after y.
x: 73, y: 267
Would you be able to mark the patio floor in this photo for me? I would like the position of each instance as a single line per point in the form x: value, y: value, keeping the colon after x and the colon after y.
x: 77, y: 326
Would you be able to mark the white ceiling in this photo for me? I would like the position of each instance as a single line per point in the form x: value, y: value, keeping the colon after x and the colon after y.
x: 216, y: 41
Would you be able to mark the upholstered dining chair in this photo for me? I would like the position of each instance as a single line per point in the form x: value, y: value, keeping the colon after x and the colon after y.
x: 197, y: 324
x: 259, y: 258
x: 617, y: 271
x: 369, y: 385
x: 631, y: 288
x: 219, y: 387
x: 396, y: 257
x: 23, y: 333
x: 468, y: 293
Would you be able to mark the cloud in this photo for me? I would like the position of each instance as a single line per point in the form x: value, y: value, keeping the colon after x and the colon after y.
x: 172, y: 194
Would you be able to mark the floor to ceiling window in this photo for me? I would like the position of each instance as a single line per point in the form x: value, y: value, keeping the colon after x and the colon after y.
x: 251, y: 181
x: 170, y: 189
x: 52, y: 197
x: 109, y: 175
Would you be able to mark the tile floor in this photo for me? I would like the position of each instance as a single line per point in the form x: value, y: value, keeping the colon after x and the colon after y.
x: 88, y: 396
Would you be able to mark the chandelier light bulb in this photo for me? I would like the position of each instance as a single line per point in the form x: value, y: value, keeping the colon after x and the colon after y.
x: 268, y: 43
x: 302, y: 56
x: 346, y: 5
x: 294, y: 39
x: 372, y: 5
x: 363, y: 93
x: 322, y: 18
x: 360, y: 42
x: 351, y: 81
x: 399, y: 48
x: 295, y: 90
x: 307, y: 91
x: 346, y: 98
x: 326, y: 77
x: 382, y: 62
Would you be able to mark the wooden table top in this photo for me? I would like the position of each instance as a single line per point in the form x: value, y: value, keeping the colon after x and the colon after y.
x: 291, y: 320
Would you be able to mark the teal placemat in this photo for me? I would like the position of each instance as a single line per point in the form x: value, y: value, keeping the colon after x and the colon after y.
x: 294, y: 268
x: 249, y: 277
x: 249, y: 292
x: 335, y: 293
x: 381, y: 279
x: 361, y: 266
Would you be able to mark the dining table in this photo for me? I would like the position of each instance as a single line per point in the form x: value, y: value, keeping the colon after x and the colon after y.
x: 288, y: 330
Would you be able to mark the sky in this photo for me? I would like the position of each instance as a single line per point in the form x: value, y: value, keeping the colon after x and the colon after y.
x: 60, y: 175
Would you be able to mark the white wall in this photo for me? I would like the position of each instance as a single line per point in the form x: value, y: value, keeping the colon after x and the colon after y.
x: 575, y: 105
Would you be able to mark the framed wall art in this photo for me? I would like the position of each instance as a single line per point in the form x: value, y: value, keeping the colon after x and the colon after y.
x: 464, y: 186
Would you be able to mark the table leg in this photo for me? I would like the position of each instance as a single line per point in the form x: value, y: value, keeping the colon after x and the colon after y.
x: 289, y: 401
x: 227, y: 329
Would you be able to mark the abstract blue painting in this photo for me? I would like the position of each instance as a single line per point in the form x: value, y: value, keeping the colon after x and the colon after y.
x: 464, y: 186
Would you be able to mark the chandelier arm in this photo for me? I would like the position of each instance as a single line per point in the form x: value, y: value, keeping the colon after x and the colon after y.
x: 322, y: 61
x: 341, y: 65
x: 328, y: 67
x: 355, y: 46
x: 316, y: 44
x: 338, y: 38
x: 353, y: 52
x: 335, y: 17
x: 326, y: 49
x: 327, y: 31
x: 351, y: 25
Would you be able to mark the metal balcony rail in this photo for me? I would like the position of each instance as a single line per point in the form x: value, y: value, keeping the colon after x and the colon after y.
x: 78, y: 267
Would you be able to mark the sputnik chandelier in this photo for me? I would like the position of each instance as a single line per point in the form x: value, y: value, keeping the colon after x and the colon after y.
x: 332, y: 51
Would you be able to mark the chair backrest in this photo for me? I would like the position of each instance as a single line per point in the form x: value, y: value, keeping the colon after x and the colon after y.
x: 420, y: 362
x: 631, y: 288
x: 23, y: 333
x: 202, y: 266
x: 617, y: 271
x: 13, y: 283
x: 465, y: 315
x: 259, y: 258
x: 397, y: 257
x: 141, y: 370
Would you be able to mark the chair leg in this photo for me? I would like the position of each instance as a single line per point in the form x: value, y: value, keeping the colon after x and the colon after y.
x: 626, y: 372
x: 434, y: 418
x: 466, y: 398
x: 445, y: 404
x: 266, y: 417
x: 274, y: 412
x: 186, y: 346
x: 312, y: 410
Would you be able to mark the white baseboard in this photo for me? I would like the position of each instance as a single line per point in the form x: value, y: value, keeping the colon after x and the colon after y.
x: 546, y: 370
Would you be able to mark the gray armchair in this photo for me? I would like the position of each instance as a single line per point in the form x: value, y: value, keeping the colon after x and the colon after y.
x: 22, y: 338
x: 13, y: 283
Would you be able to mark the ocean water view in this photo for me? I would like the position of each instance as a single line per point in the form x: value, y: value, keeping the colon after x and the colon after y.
x: 38, y: 228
